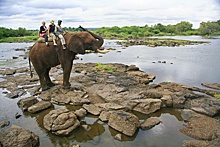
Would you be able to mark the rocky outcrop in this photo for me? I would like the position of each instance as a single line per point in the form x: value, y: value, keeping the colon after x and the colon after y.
x: 61, y: 121
x: 16, y: 136
x: 124, y: 122
x: 110, y: 92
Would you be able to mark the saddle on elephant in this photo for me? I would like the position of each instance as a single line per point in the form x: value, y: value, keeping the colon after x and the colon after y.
x: 50, y: 39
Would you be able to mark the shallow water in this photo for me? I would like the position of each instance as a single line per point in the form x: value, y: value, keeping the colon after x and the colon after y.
x: 192, y: 65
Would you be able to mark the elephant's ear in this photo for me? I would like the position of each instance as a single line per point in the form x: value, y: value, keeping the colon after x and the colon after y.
x: 75, y: 44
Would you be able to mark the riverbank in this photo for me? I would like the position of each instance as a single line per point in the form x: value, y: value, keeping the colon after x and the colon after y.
x: 151, y: 42
x: 19, y: 39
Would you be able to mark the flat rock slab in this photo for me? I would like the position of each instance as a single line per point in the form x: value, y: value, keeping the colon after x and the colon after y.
x: 212, y: 85
x: 104, y: 116
x: 61, y: 121
x: 18, y: 137
x: 147, y: 106
x: 124, y: 122
x: 42, y: 105
x: 149, y: 123
x: 93, y: 109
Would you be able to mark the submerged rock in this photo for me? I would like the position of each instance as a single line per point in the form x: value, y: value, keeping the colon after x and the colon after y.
x: 18, y: 137
x: 61, y: 121
x: 4, y: 123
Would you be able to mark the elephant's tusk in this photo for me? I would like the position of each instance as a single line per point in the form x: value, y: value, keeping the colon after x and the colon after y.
x: 102, y: 52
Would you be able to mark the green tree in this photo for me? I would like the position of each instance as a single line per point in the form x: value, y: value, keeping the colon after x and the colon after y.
x: 170, y: 29
x: 208, y: 28
x: 160, y: 27
x: 183, y: 26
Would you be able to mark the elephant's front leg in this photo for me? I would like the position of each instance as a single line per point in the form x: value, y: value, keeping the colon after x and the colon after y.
x: 67, y: 67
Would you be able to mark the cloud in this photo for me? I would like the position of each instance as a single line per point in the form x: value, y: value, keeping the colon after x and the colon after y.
x: 98, y: 13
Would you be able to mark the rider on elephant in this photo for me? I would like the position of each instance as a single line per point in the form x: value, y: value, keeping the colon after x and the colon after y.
x: 60, y: 32
x: 51, y: 32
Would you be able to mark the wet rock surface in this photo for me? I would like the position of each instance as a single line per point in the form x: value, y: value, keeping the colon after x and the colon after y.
x: 16, y: 136
x: 112, y: 92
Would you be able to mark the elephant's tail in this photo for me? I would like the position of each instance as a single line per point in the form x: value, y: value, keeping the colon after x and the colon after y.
x: 30, y: 67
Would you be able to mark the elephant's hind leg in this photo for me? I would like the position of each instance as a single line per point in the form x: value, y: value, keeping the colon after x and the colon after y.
x: 43, y: 81
x: 47, y: 78
x: 41, y: 74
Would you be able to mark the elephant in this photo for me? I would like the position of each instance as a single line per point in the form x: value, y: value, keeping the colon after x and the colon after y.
x: 44, y: 57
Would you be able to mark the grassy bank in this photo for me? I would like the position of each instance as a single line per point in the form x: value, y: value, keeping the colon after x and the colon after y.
x: 20, y: 39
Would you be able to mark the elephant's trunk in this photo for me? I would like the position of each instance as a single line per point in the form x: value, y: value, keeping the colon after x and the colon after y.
x: 99, y: 39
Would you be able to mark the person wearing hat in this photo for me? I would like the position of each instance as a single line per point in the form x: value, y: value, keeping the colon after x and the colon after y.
x: 51, y: 32
x: 43, y: 32
x: 60, y: 32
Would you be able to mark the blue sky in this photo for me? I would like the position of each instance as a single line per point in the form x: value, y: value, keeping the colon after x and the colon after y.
x: 98, y: 13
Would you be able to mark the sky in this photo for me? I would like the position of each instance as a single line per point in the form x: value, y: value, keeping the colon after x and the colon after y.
x: 106, y: 13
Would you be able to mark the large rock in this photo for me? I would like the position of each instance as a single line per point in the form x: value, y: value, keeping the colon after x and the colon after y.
x: 61, y: 121
x: 124, y: 122
x: 200, y: 126
x: 208, y: 106
x: 17, y: 137
x: 25, y: 103
x: 147, y: 106
x: 42, y: 105
x: 110, y: 106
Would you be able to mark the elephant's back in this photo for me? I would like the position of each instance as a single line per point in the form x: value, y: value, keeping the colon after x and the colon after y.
x: 41, y: 52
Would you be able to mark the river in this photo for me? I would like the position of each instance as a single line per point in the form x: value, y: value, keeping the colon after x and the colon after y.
x: 189, y: 65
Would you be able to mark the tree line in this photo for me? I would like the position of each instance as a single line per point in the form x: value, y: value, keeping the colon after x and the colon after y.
x: 181, y: 28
